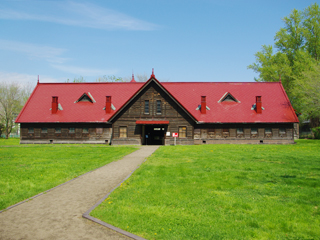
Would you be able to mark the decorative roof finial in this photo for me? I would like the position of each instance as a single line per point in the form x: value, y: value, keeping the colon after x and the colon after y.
x: 132, y: 80
x: 38, y: 80
x: 152, y: 75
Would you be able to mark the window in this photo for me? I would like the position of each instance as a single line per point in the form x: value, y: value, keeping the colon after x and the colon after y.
x: 158, y: 106
x: 182, y: 132
x: 44, y: 130
x: 122, y: 132
x: 99, y: 131
x: 267, y: 130
x: 58, y: 130
x: 146, y: 106
x: 254, y: 130
x: 85, y: 130
x: 227, y: 97
x: 71, y: 130
x: 30, y: 130
x: 86, y: 97
x: 226, y: 130
x: 239, y: 130
x: 282, y: 130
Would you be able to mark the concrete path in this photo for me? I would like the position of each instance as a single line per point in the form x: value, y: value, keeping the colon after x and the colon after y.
x: 58, y: 213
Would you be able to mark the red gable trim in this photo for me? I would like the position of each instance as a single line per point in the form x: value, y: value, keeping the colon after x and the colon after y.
x: 152, y: 122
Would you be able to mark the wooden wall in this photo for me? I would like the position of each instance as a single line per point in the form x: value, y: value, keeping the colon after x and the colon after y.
x: 228, y: 133
x: 97, y: 133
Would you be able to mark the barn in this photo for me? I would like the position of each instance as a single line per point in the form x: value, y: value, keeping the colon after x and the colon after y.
x: 149, y: 113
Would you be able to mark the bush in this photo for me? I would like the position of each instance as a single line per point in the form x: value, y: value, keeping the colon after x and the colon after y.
x: 316, y: 132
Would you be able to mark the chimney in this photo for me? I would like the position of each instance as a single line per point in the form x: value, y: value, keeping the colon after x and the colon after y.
x: 258, y: 104
x: 203, y: 108
x: 108, y: 104
x: 54, y: 108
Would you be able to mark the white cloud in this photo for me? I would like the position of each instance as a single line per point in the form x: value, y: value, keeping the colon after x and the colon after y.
x: 50, y: 54
x: 81, y: 14
x: 84, y: 71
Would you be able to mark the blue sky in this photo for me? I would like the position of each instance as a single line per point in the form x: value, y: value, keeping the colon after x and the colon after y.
x: 203, y: 40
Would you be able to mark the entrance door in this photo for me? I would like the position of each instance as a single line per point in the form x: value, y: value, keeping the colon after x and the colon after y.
x: 154, y: 134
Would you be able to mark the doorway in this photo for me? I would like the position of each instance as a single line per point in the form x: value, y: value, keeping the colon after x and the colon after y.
x: 153, y: 134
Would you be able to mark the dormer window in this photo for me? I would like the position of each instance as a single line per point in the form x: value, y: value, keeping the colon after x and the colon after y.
x: 86, y: 97
x: 227, y: 97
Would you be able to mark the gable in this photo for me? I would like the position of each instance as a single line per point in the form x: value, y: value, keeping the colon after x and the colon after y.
x: 228, y: 97
x: 152, y: 103
x: 149, y: 90
x: 86, y: 97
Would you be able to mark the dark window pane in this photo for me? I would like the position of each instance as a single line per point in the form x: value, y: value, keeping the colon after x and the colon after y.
x: 146, y: 106
x: 158, y: 106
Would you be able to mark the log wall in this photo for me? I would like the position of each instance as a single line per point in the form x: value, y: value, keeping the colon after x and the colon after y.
x: 65, y: 133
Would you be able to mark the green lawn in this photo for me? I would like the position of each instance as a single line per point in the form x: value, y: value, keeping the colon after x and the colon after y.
x: 26, y: 170
x: 221, y: 192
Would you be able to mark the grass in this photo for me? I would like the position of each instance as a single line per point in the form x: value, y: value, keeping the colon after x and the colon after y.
x: 26, y: 170
x: 221, y: 192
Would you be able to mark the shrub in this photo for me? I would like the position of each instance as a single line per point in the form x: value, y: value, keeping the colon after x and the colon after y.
x: 316, y: 132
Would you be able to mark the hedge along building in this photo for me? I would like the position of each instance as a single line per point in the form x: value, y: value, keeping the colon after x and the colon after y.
x: 149, y: 113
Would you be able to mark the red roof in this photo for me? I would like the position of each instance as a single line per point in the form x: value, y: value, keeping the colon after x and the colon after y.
x: 277, y: 107
x: 37, y: 108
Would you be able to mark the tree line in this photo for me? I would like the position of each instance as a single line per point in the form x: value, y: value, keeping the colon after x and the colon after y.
x: 295, y: 59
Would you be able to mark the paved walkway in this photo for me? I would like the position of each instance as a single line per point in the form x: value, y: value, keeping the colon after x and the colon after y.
x: 58, y: 213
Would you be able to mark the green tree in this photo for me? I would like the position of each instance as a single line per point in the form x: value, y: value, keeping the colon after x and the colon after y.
x: 11, y: 103
x: 297, y: 55
x: 307, y: 90
x: 311, y: 30
x: 271, y: 66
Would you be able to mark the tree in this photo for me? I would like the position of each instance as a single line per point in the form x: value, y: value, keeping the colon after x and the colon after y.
x: 137, y: 77
x: 297, y: 54
x: 308, y: 91
x: 11, y: 103
x: 271, y: 66
x: 311, y: 30
x: 80, y: 79
x: 109, y: 78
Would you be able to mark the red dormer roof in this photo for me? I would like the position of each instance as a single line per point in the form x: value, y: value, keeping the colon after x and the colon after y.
x: 275, y: 103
